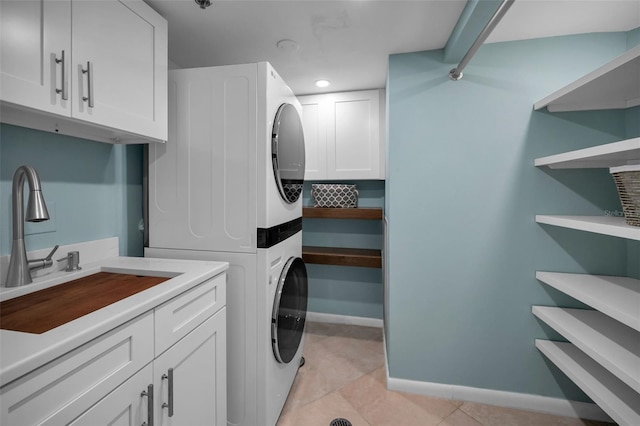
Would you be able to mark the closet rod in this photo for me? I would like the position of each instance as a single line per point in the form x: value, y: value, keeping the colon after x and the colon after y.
x: 456, y: 73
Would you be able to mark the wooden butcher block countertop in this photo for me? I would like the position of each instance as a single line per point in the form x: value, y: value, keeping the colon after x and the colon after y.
x: 52, y: 307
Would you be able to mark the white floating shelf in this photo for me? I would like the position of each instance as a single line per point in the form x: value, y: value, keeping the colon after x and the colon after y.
x: 603, y: 156
x: 614, y: 85
x: 616, y: 398
x: 617, y: 297
x: 611, y: 344
x: 607, y: 225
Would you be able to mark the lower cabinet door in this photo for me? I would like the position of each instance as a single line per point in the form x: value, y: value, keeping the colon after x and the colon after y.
x: 127, y: 405
x: 190, y: 377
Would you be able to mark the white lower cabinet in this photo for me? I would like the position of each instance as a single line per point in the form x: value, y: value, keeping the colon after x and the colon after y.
x: 120, y: 379
x: 190, y: 378
x: 188, y: 384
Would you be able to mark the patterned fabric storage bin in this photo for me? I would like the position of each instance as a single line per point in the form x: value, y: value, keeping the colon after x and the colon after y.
x: 334, y: 195
x: 627, y: 180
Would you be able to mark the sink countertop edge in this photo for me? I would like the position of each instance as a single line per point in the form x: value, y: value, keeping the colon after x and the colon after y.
x: 21, y: 353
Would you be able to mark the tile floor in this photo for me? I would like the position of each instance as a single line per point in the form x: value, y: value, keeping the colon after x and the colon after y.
x: 344, y: 376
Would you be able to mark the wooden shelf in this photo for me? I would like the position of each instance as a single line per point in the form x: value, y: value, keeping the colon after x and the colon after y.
x: 368, y: 258
x: 606, y: 225
x: 616, y: 398
x: 603, y: 156
x: 338, y: 213
x: 611, y: 344
x: 616, y: 297
x: 614, y: 85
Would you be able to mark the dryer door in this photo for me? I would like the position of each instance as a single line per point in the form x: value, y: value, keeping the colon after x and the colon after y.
x: 287, y: 152
x: 289, y: 310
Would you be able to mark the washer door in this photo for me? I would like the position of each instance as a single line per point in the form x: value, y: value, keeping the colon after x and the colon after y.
x: 289, y: 310
x: 287, y: 152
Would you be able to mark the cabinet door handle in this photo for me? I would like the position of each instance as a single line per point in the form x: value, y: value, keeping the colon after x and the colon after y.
x: 89, y: 72
x: 149, y: 393
x: 64, y: 91
x: 169, y: 377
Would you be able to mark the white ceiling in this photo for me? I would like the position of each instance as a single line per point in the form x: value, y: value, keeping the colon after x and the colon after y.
x: 348, y: 41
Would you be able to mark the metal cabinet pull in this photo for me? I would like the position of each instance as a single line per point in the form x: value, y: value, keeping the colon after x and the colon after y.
x: 169, y: 376
x: 149, y: 393
x: 89, y: 72
x: 64, y: 91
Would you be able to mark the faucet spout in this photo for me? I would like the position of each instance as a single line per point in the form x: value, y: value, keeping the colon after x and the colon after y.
x: 19, y: 272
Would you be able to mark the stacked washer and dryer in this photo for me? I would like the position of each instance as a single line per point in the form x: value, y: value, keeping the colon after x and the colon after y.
x: 227, y: 187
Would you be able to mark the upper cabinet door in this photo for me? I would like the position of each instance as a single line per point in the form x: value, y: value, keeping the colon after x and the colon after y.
x: 35, y: 37
x: 344, y: 135
x: 120, y: 66
x: 353, y: 136
x: 315, y: 137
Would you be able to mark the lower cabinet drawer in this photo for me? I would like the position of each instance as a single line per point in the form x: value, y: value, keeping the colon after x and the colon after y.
x: 180, y: 315
x: 61, y: 390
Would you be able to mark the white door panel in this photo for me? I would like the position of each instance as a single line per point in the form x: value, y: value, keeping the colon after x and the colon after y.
x: 33, y: 35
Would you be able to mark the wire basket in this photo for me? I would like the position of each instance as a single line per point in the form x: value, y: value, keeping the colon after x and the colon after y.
x: 627, y: 180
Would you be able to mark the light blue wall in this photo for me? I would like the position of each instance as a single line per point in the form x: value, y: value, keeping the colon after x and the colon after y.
x: 633, y: 38
x: 93, y: 190
x: 345, y: 290
x: 461, y: 195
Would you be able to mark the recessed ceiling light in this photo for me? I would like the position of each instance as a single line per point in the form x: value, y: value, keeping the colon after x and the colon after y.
x: 323, y: 83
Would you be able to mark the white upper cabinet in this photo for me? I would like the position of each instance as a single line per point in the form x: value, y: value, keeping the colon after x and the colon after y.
x: 343, y: 134
x: 99, y: 65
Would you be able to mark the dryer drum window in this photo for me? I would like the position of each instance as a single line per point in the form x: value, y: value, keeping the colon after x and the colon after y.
x: 287, y: 153
x: 289, y: 310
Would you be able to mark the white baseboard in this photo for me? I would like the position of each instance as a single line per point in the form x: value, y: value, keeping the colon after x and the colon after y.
x: 519, y: 401
x: 343, y: 319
